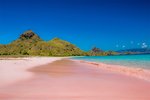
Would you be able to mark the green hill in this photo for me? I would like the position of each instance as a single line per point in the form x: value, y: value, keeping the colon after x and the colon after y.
x: 61, y: 47
x: 30, y: 43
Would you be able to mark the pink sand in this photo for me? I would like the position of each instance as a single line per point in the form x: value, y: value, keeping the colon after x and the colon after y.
x: 70, y: 80
x: 14, y: 69
x: 130, y: 71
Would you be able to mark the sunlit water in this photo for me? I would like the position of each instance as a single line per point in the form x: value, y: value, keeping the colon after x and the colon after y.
x: 140, y: 61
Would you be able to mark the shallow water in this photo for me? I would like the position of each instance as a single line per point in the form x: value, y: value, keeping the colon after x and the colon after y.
x: 140, y: 61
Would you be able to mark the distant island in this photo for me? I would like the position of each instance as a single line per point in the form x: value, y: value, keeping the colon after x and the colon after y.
x: 30, y: 43
x: 134, y: 51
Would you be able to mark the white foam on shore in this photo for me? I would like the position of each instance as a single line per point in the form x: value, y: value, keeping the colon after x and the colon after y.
x: 15, y: 69
x: 130, y: 71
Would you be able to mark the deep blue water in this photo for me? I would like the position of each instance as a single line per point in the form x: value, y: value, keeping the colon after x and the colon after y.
x: 141, y: 61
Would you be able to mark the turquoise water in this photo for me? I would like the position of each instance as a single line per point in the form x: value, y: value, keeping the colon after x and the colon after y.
x: 140, y: 61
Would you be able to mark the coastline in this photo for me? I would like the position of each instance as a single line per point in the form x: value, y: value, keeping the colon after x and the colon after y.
x: 72, y: 80
x: 13, y: 70
x: 129, y: 71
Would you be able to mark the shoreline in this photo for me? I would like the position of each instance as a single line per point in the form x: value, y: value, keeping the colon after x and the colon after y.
x: 129, y: 71
x: 13, y: 70
x: 72, y: 80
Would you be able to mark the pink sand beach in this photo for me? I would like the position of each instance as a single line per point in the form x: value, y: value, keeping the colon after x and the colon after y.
x: 63, y: 79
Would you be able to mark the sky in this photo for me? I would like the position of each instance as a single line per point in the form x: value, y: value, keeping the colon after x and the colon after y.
x: 106, y: 24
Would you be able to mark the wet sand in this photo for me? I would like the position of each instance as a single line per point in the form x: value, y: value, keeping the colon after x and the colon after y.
x: 130, y: 71
x: 71, y: 80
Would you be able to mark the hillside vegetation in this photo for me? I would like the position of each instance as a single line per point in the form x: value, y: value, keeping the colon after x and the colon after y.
x: 30, y: 43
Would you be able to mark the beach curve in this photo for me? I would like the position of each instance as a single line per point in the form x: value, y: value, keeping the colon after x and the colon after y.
x: 13, y: 70
x: 71, y: 80
x: 130, y: 71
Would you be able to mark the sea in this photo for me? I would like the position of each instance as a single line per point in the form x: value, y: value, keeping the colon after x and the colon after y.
x: 137, y: 61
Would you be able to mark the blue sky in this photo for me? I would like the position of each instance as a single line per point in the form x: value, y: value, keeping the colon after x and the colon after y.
x: 107, y: 24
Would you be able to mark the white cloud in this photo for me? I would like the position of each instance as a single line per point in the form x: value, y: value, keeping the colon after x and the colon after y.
x: 144, y: 45
x: 123, y: 46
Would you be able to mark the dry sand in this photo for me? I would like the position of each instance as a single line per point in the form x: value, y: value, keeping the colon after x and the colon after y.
x: 71, y: 80
x: 14, y: 69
